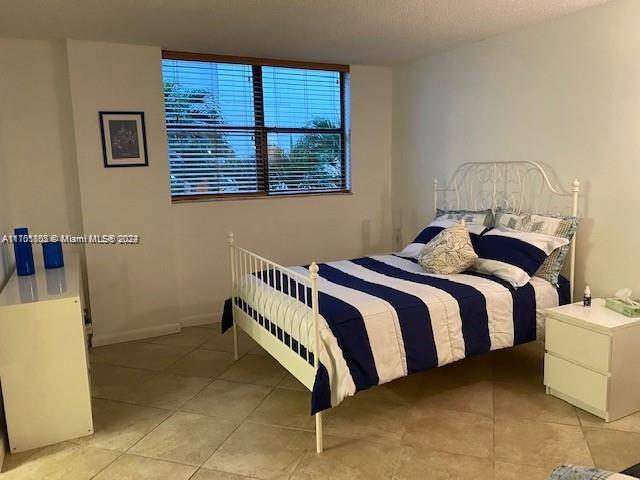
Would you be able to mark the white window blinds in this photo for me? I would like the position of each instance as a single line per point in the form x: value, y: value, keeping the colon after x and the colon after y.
x: 245, y: 129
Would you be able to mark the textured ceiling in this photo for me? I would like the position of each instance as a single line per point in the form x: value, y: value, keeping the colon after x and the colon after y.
x: 337, y: 31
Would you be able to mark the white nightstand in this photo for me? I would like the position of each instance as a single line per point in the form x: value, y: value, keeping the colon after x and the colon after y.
x: 592, y: 359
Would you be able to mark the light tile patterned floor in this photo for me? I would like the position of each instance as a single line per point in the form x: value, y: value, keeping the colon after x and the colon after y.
x: 178, y: 407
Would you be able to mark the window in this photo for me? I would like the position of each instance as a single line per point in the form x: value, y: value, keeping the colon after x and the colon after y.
x: 254, y: 128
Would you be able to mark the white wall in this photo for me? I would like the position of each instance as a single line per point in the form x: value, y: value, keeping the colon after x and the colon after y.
x: 132, y: 288
x: 36, y: 141
x: 296, y: 230
x: 5, y: 268
x: 565, y: 92
x: 51, y: 94
x: 36, y: 137
x: 6, y: 254
x: 38, y: 174
x: 6, y: 265
x: 180, y: 273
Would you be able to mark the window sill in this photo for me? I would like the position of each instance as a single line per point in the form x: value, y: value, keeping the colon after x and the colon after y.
x: 256, y: 196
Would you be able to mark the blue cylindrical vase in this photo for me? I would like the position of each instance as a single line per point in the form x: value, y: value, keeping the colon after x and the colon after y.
x: 23, y: 252
x: 52, y: 253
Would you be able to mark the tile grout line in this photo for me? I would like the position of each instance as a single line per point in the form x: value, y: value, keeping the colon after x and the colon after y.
x: 122, y: 454
x: 150, y: 339
x: 164, y: 344
x: 107, y: 466
x: 312, y: 429
x: 237, y: 427
x: 165, y: 369
x: 584, y: 436
x: 298, y: 462
x: 128, y: 450
x: 246, y: 419
x: 132, y: 404
x: 177, y: 410
x: 396, y: 461
x: 180, y: 358
x: 172, y: 412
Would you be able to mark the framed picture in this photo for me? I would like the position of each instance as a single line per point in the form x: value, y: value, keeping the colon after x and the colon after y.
x: 124, y: 139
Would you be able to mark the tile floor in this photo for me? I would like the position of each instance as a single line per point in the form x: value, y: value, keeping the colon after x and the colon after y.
x: 178, y: 407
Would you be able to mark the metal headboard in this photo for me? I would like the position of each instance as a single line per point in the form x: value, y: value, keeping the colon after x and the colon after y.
x: 521, y: 186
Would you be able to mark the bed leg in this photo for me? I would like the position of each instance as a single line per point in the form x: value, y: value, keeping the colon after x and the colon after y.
x: 235, y: 342
x: 319, y: 446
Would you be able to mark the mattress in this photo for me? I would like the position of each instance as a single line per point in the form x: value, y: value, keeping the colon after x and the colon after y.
x: 382, y: 317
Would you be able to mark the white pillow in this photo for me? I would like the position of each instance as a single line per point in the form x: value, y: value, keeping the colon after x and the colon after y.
x: 513, y: 255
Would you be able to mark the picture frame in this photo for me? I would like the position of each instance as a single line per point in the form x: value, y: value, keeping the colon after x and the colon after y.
x: 124, y: 139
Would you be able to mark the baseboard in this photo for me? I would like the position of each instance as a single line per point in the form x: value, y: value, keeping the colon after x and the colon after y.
x: 4, y: 439
x: 137, y: 334
x: 3, y: 449
x: 202, y: 319
x: 4, y: 443
x: 142, y: 333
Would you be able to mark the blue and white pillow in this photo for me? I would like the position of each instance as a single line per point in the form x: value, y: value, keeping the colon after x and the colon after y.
x: 557, y: 225
x: 476, y: 223
x: 512, y: 255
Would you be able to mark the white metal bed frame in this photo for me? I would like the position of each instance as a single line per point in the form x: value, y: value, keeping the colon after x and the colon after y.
x: 519, y: 186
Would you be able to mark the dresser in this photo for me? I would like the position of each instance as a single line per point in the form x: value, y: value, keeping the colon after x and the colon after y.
x: 592, y: 359
x: 43, y: 357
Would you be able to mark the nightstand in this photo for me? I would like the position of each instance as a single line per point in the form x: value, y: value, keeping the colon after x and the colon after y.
x: 592, y: 359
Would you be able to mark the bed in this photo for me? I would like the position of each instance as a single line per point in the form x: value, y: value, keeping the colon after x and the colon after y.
x: 345, y: 326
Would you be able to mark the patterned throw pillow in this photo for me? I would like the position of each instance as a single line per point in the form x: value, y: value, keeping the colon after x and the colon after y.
x: 448, y: 252
x: 558, y: 226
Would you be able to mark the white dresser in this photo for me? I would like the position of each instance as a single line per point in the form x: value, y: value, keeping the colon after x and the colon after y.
x: 592, y: 359
x: 43, y: 357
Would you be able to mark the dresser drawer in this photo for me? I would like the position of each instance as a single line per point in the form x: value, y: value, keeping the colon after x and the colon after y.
x: 577, y: 382
x: 583, y: 346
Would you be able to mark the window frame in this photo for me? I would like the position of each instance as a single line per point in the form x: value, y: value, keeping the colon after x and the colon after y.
x: 261, y: 131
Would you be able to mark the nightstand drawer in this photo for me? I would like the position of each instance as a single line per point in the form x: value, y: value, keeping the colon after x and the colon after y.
x: 583, y: 346
x: 577, y: 382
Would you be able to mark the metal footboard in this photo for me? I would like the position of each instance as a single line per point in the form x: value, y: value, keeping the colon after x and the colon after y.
x: 278, y: 308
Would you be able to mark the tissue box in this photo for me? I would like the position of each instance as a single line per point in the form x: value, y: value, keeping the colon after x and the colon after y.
x: 623, y: 308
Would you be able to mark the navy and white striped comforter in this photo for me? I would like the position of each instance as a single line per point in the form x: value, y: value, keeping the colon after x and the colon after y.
x: 383, y: 317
